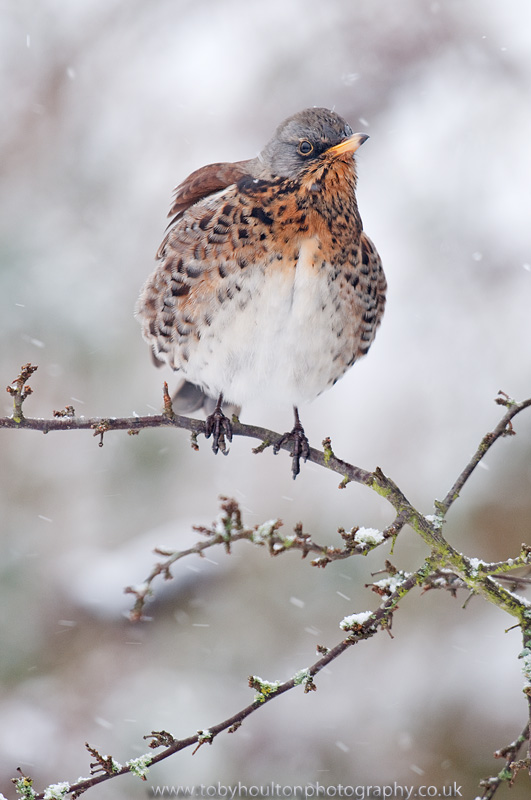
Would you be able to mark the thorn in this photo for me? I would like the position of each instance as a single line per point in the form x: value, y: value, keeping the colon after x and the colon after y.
x: 101, y: 428
x: 261, y: 447
x: 168, y: 407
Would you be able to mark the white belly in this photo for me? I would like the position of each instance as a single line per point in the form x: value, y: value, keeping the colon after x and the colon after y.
x: 275, y: 340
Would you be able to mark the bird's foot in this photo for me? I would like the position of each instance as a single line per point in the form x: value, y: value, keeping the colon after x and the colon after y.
x: 301, y: 445
x: 220, y: 428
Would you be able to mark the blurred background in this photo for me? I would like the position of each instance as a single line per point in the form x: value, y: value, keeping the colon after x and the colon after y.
x: 106, y: 106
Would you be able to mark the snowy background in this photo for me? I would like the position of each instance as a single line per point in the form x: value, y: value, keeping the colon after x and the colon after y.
x: 106, y: 106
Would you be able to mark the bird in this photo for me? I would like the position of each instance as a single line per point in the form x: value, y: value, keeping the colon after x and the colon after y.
x: 266, y: 285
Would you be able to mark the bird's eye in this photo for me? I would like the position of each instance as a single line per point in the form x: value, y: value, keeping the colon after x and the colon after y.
x: 305, y: 147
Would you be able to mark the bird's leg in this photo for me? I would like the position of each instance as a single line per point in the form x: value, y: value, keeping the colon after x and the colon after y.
x: 218, y: 426
x: 301, y: 446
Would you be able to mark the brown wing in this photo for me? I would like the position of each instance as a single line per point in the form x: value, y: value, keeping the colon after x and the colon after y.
x: 371, y: 258
x: 201, y: 260
x: 371, y: 291
x: 205, y: 181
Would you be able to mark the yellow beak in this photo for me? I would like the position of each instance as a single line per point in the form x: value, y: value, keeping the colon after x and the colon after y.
x: 349, y: 145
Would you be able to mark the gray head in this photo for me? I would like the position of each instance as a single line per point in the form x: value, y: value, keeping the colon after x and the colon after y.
x: 306, y: 138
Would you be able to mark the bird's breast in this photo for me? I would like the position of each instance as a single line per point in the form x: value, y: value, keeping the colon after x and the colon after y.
x: 280, y: 337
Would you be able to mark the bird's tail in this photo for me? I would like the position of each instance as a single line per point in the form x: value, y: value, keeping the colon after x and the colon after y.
x: 189, y: 398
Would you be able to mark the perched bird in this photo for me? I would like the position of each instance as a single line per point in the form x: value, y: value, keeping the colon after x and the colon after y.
x: 266, y: 285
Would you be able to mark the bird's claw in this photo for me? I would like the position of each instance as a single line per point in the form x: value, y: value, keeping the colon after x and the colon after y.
x: 301, y: 447
x: 220, y: 428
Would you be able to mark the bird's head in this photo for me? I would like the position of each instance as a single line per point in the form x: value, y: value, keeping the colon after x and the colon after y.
x: 311, y: 137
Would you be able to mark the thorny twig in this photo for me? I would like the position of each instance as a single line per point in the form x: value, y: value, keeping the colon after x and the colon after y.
x: 20, y: 390
x: 266, y: 691
x: 503, y: 428
x: 325, y: 458
x: 510, y: 769
x: 229, y: 529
